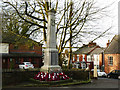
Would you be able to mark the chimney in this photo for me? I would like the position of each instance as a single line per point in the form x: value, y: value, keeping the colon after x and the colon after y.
x: 91, y: 44
x: 108, y: 43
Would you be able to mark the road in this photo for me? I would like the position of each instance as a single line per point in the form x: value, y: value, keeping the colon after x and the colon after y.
x: 102, y: 83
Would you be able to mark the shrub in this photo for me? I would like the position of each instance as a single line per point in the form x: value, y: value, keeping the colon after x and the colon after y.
x: 77, y: 74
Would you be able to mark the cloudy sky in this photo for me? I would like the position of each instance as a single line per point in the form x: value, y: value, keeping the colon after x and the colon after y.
x: 110, y: 20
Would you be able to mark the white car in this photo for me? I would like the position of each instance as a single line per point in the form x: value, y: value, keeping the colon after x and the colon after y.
x: 100, y: 74
x: 26, y: 65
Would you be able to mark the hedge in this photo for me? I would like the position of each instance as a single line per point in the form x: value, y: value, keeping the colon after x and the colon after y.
x: 16, y: 77
x: 78, y: 74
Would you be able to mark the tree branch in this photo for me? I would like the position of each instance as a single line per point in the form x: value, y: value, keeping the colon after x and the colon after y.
x: 31, y: 15
x: 101, y: 34
x: 34, y: 30
x: 24, y: 18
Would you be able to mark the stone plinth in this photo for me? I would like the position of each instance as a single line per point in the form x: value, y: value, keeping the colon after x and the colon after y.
x: 51, y: 61
x: 51, y: 68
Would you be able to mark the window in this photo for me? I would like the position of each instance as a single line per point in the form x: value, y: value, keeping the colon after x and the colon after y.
x: 92, y: 57
x: 83, y: 65
x: 110, y: 60
x: 113, y: 71
x: 11, y: 59
x: 89, y: 58
x: 73, y: 57
x: 17, y: 60
x: 83, y: 57
x: 117, y: 71
x: 88, y: 64
x: 78, y: 58
x: 28, y: 63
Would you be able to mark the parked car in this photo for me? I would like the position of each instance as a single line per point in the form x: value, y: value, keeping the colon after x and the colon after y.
x: 114, y: 74
x: 100, y: 74
x: 26, y: 65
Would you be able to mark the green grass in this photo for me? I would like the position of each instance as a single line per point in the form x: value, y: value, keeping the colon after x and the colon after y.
x: 50, y: 82
x: 57, y: 83
x: 37, y: 83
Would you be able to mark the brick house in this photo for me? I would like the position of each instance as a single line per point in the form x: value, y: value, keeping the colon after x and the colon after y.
x: 112, y: 55
x: 88, y: 55
x: 14, y: 53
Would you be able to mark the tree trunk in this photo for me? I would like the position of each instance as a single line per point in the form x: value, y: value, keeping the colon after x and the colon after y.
x: 60, y: 59
x: 70, y: 41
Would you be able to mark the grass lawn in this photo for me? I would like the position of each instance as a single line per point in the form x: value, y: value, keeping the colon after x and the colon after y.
x: 36, y: 83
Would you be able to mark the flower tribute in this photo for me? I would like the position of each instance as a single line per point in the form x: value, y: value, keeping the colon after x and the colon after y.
x: 51, y: 77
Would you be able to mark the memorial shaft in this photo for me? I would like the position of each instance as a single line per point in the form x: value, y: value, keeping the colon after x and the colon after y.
x: 51, y: 53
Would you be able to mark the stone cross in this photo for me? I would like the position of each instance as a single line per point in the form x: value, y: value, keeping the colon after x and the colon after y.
x: 51, y: 53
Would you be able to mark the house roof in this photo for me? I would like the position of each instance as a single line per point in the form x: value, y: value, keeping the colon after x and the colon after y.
x: 21, y: 54
x: 84, y: 50
x: 97, y: 51
x: 91, y: 48
x: 11, y: 37
x: 114, y: 46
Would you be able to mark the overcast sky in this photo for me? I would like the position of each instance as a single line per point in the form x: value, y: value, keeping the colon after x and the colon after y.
x: 107, y: 21
x: 110, y: 19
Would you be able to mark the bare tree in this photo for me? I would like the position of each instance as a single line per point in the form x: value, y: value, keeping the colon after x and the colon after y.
x: 70, y: 20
